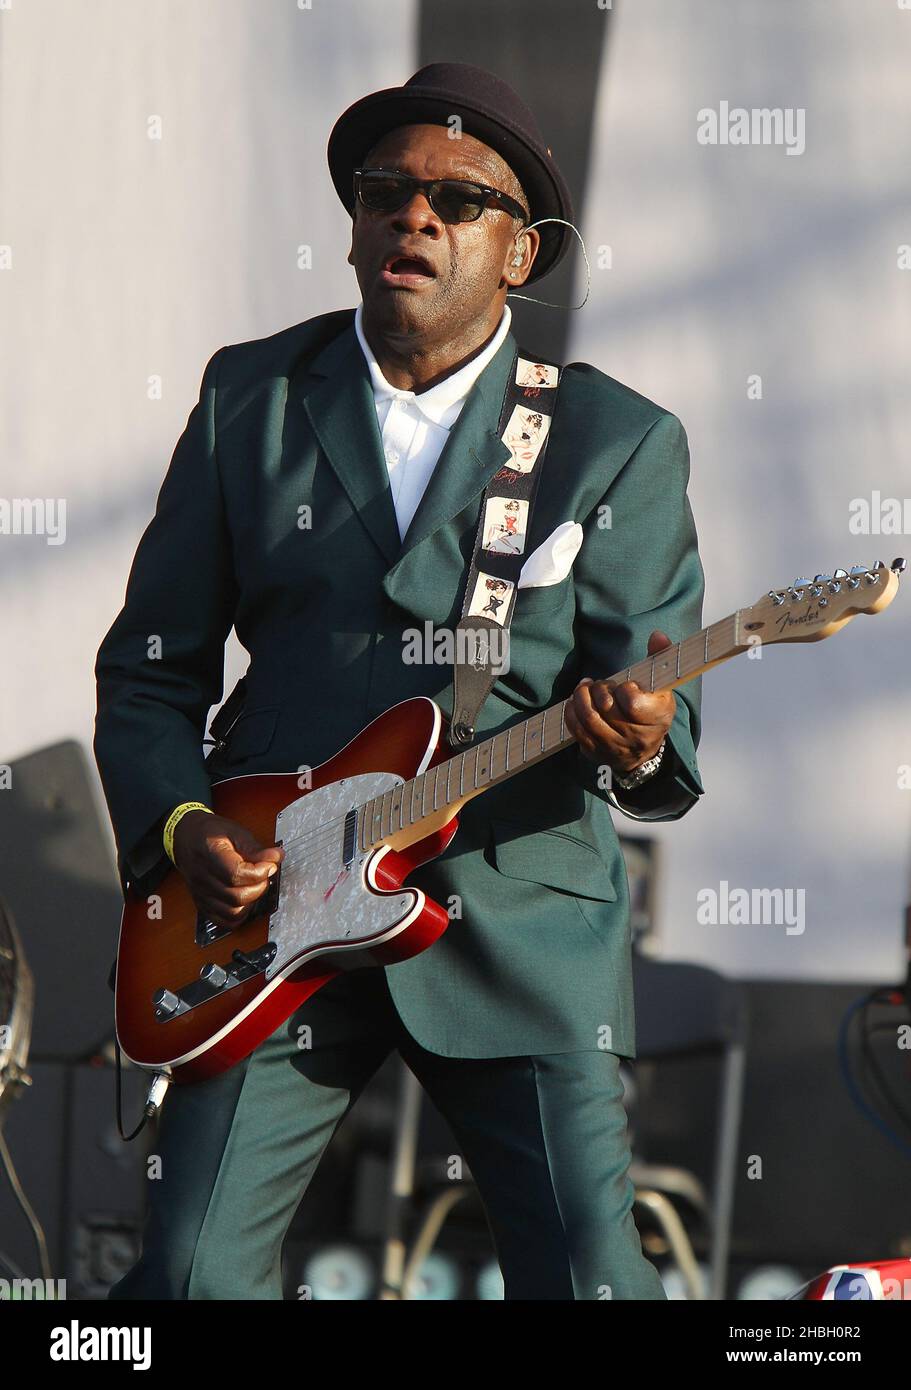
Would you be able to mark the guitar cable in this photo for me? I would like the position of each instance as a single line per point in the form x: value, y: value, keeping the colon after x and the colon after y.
x: 881, y: 994
x: 154, y: 1100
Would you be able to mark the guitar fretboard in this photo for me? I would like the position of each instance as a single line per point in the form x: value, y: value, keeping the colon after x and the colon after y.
x: 464, y: 775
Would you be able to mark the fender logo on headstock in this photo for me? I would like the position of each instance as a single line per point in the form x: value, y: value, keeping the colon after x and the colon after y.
x: 785, y: 620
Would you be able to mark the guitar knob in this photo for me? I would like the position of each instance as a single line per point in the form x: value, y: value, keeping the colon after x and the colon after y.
x: 166, y: 1002
x: 213, y: 975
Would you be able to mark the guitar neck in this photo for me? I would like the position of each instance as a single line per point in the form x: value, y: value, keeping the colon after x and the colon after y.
x: 429, y: 801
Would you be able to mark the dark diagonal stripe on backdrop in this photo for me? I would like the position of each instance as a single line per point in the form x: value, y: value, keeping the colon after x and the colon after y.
x: 551, y: 54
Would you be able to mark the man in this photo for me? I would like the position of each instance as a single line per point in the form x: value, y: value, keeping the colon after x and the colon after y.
x: 380, y: 428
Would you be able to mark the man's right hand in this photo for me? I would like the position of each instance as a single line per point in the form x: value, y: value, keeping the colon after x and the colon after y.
x: 224, y: 865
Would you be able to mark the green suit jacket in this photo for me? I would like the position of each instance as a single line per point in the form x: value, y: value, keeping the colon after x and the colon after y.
x: 539, y: 958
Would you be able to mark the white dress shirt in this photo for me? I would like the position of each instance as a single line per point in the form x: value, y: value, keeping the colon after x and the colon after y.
x: 415, y: 425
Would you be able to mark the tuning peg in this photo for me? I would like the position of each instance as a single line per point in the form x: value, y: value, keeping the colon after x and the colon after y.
x: 898, y: 566
x: 776, y: 597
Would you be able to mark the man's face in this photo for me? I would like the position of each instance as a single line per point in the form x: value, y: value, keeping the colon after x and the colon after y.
x: 470, y: 261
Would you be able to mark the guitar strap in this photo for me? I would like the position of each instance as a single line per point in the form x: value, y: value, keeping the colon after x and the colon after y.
x: 482, y: 633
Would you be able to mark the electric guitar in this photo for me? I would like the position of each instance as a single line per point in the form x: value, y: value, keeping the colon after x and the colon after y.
x: 193, y: 998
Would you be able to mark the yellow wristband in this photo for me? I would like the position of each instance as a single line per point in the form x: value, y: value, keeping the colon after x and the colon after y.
x: 174, y: 820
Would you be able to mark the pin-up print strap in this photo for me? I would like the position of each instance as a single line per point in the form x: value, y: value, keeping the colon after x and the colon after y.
x: 482, y: 634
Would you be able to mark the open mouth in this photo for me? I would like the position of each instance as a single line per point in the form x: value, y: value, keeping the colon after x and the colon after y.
x: 407, y: 271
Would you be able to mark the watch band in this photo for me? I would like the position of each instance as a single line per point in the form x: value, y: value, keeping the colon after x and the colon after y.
x: 641, y: 773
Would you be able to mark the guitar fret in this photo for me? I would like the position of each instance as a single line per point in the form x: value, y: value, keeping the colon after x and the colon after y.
x: 394, y: 810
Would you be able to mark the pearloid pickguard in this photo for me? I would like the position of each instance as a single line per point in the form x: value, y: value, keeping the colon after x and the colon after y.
x: 320, y: 900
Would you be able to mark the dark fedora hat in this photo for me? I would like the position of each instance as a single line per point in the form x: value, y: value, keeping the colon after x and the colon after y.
x: 490, y: 111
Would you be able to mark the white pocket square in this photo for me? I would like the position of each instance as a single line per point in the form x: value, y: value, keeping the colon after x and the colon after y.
x: 553, y: 560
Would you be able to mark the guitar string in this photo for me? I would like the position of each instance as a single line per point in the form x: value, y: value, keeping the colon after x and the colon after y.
x: 326, y: 830
x: 323, y: 833
x: 314, y: 839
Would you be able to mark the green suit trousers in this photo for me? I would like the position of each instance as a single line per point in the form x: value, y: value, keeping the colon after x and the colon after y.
x: 545, y: 1139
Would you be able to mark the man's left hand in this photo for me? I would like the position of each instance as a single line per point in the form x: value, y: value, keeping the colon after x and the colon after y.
x: 621, y: 725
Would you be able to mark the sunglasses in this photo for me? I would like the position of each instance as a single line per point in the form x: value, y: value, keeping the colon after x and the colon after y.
x: 453, y: 200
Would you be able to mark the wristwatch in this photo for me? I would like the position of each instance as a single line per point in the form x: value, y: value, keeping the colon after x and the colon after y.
x: 641, y: 773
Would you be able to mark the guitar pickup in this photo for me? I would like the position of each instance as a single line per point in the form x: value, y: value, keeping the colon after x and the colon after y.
x: 349, y: 839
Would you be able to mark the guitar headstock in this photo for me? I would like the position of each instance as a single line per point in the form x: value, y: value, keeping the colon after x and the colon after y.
x: 809, y: 609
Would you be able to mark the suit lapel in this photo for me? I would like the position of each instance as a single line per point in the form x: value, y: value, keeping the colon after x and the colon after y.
x: 469, y: 458
x: 341, y: 409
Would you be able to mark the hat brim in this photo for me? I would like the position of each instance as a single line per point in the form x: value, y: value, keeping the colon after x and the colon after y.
x: 364, y: 123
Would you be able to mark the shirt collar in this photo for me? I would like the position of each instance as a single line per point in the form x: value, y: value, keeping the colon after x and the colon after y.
x: 440, y: 403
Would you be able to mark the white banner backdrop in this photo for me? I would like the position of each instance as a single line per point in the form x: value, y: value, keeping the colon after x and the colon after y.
x: 761, y: 292
x: 162, y: 165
